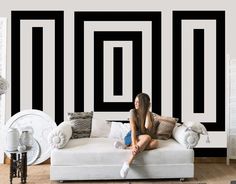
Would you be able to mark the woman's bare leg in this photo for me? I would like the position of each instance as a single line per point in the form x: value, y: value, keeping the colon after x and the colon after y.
x: 143, y: 142
x: 152, y: 145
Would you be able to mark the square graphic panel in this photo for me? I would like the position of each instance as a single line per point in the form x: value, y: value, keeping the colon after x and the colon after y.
x: 99, y: 37
x: 87, y: 25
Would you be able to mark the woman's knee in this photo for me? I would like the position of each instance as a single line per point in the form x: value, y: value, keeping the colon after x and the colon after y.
x: 153, y: 144
x: 147, y: 138
x: 144, y: 138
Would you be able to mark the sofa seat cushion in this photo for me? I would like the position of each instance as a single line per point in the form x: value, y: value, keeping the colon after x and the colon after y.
x: 97, y: 151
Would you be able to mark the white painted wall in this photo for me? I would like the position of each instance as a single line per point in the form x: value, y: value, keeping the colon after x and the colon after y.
x: 3, y: 26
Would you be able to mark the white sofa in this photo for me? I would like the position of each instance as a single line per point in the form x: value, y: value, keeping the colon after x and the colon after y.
x: 97, y: 159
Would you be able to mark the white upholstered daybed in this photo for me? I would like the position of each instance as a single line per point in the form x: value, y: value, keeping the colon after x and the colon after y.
x: 97, y: 159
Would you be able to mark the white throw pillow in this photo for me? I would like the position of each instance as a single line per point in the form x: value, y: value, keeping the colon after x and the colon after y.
x: 197, y: 127
x: 100, y: 128
x: 119, y: 130
x: 188, y: 139
x: 60, y: 136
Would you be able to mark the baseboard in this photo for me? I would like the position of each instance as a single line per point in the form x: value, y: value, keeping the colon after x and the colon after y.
x: 212, y: 160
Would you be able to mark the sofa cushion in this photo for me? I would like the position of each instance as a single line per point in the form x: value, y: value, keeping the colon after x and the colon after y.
x: 97, y: 151
x: 59, y: 137
x: 165, y: 127
x: 81, y: 123
x: 100, y: 128
x: 79, y: 115
x: 119, y: 130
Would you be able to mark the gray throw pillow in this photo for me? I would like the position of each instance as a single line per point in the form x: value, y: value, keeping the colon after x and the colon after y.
x: 77, y: 115
x: 165, y: 127
x: 81, y: 124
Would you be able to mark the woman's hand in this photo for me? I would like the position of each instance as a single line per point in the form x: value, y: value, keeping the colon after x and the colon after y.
x: 135, y: 149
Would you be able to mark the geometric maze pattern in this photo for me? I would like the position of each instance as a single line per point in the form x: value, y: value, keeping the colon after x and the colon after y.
x: 143, y: 30
x: 99, y: 38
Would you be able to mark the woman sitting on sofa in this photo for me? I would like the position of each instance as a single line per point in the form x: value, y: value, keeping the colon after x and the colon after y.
x: 142, y: 134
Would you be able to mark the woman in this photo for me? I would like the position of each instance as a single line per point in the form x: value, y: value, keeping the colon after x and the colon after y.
x: 142, y: 134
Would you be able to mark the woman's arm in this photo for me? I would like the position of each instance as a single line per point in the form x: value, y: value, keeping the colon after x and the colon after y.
x: 149, y: 121
x: 133, y: 131
x: 134, y: 145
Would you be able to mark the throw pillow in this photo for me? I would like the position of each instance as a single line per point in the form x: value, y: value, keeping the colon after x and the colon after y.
x: 165, y: 127
x: 119, y: 130
x: 78, y: 115
x: 188, y: 139
x: 81, y: 123
x: 100, y: 128
x: 198, y: 128
x: 60, y: 136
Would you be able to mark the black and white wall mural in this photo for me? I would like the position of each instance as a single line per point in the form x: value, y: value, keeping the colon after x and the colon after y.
x: 116, y: 56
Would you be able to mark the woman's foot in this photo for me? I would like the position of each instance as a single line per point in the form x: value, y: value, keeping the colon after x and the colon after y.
x: 119, y: 145
x: 124, y: 170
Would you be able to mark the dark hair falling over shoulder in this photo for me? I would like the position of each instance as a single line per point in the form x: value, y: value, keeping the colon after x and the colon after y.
x: 144, y: 102
x: 144, y: 105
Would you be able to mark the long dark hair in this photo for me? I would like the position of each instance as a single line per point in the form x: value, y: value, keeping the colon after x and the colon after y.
x: 144, y: 105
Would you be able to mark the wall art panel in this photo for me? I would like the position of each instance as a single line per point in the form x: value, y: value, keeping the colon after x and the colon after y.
x: 37, y: 79
x: 199, y: 67
x: 199, y: 74
x: 131, y: 41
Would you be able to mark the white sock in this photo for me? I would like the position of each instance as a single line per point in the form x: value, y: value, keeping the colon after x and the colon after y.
x: 119, y: 145
x: 124, y: 170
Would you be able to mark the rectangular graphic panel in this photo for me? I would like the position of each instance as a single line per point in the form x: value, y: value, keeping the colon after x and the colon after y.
x: 37, y: 72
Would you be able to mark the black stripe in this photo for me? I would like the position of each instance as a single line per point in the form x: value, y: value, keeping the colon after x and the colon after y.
x: 198, y: 70
x: 177, y: 70
x: 79, y: 63
x: 37, y: 68
x: 59, y: 67
x: 15, y: 63
x: 156, y: 63
x: 118, y: 71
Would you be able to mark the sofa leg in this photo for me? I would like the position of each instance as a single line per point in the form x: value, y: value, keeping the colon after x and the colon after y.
x: 60, y: 181
x: 181, y: 179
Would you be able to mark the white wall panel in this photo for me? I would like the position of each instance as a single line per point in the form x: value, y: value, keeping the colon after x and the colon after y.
x: 48, y: 64
x: 126, y: 71
x: 209, y: 27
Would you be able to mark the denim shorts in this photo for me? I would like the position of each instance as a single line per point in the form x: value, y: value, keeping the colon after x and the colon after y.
x: 128, y: 139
